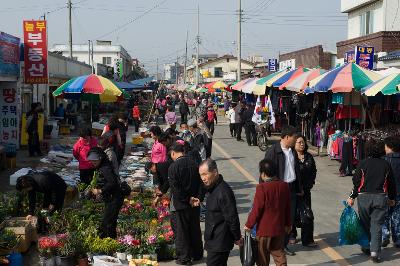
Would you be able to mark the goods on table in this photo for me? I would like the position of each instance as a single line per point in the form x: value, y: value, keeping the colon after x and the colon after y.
x: 140, y: 262
x: 106, y: 261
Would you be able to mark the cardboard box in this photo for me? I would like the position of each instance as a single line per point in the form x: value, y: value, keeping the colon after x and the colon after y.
x: 24, y: 229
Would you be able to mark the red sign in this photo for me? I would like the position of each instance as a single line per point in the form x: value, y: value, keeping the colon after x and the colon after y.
x: 35, y: 52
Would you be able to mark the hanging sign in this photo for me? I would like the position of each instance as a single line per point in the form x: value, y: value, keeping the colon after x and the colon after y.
x: 365, y: 57
x: 272, y: 65
x: 9, y: 119
x: 9, y: 55
x: 349, y: 57
x: 35, y: 52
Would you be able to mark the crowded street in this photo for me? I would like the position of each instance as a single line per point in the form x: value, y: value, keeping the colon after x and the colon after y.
x: 216, y: 133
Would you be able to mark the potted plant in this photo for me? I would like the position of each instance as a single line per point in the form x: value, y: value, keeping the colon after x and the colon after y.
x: 121, y: 251
x: 47, y: 250
x: 67, y: 250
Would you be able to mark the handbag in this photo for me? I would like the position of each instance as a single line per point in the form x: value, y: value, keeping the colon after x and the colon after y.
x: 248, y: 250
x: 304, y: 214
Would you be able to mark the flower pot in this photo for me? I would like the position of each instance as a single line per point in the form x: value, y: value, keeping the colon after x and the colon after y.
x: 50, y: 261
x: 121, y: 255
x: 83, y: 262
x: 129, y: 257
x: 67, y: 261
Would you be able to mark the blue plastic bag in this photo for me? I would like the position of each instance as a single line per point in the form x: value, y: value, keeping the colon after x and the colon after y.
x: 351, y: 231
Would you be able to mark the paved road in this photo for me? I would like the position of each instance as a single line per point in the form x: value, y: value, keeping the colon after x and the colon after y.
x: 238, y: 164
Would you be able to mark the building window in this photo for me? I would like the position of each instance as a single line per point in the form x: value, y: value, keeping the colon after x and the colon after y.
x: 367, y: 23
x: 106, y: 60
x: 218, y: 72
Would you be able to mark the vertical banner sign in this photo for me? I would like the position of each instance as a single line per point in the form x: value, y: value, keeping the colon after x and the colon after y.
x: 9, y: 118
x: 118, y: 74
x: 272, y: 65
x: 349, y: 57
x: 35, y: 52
x: 9, y: 55
x: 365, y: 57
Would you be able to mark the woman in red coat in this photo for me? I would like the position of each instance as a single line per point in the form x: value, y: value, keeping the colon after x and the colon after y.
x: 271, y: 213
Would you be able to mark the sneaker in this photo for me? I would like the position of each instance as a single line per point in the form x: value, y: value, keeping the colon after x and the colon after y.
x: 375, y: 259
x: 183, y: 262
x: 288, y: 252
x: 366, y: 251
x: 385, y: 243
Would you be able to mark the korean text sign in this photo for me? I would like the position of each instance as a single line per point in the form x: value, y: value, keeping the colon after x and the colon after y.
x: 365, y: 57
x: 35, y: 52
x: 9, y: 55
x: 9, y: 118
x: 272, y: 65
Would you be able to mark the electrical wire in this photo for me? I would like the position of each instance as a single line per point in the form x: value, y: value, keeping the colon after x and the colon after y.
x: 118, y: 28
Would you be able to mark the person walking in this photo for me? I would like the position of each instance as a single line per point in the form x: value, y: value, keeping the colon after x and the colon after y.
x: 392, y: 220
x: 239, y: 109
x: 80, y: 150
x: 185, y: 183
x: 207, y: 135
x: 271, y: 214
x: 222, y: 225
x: 308, y: 173
x: 373, y: 185
x: 184, y: 110
x: 136, y: 117
x: 200, y: 139
x: 158, y: 150
x: 249, y: 126
x: 211, y: 118
x: 285, y: 159
x: 170, y: 117
x: 232, y: 122
x: 32, y: 128
x: 109, y: 190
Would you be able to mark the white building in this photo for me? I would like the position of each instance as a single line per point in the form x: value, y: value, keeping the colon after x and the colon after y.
x: 170, y: 72
x: 373, y: 23
x: 104, y: 52
x: 221, y: 68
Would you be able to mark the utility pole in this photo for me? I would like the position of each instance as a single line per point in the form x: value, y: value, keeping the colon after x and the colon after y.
x: 92, y: 52
x: 176, y: 71
x: 198, y: 45
x: 185, y: 64
x: 239, y: 41
x: 70, y: 27
x: 157, y: 71
x: 89, y: 55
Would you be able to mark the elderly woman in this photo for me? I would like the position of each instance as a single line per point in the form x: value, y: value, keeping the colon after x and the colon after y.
x: 158, y: 150
x: 85, y: 142
x: 373, y: 185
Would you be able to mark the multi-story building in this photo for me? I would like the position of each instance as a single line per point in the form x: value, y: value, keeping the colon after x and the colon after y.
x: 172, y: 71
x: 309, y: 57
x: 104, y: 52
x: 373, y: 23
x: 221, y: 68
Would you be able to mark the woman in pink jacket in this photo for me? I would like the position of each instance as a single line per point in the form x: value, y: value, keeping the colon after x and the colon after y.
x: 80, y: 151
x: 158, y: 151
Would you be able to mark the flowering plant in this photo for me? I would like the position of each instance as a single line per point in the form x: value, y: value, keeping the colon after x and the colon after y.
x: 48, y: 245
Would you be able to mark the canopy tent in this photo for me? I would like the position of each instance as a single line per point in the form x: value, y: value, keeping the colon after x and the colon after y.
x: 388, y: 71
x: 387, y: 85
x: 141, y: 83
x: 124, y: 85
x: 344, y: 79
x: 238, y: 86
x: 248, y: 86
x: 292, y: 74
x: 300, y: 83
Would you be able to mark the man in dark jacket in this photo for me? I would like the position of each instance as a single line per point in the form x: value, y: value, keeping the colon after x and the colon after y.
x: 239, y: 109
x: 50, y: 184
x: 32, y: 128
x: 222, y: 226
x: 185, y: 183
x: 249, y: 126
x: 285, y: 158
x: 392, y: 224
x: 184, y: 110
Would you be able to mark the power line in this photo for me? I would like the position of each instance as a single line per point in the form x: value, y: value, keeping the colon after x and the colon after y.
x: 118, y: 28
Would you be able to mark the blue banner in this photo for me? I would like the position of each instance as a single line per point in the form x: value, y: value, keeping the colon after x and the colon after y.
x: 365, y: 57
x: 272, y: 65
x: 349, y: 57
x: 9, y: 55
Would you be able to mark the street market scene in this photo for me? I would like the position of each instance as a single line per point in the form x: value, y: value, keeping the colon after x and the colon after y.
x: 171, y: 132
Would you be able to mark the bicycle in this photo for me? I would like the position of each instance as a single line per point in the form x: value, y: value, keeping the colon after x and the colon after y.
x: 263, y: 132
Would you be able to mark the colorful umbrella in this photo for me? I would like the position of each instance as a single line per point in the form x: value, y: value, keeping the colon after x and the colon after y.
x: 345, y: 78
x: 220, y: 85
x: 248, y: 87
x: 91, y: 88
x: 292, y: 74
x: 210, y: 85
x: 192, y: 88
x: 299, y: 83
x: 388, y: 85
x: 261, y: 84
x: 238, y: 86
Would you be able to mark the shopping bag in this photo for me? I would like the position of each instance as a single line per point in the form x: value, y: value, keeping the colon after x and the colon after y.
x: 304, y: 214
x: 248, y: 251
x: 351, y: 231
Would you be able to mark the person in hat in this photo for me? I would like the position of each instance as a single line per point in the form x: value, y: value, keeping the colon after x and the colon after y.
x: 51, y: 185
x: 108, y: 189
x: 211, y: 118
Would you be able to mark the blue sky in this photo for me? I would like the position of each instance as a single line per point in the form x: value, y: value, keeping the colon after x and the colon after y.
x: 270, y: 26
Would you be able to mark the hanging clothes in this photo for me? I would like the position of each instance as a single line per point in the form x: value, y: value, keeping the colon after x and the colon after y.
x: 346, y: 166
